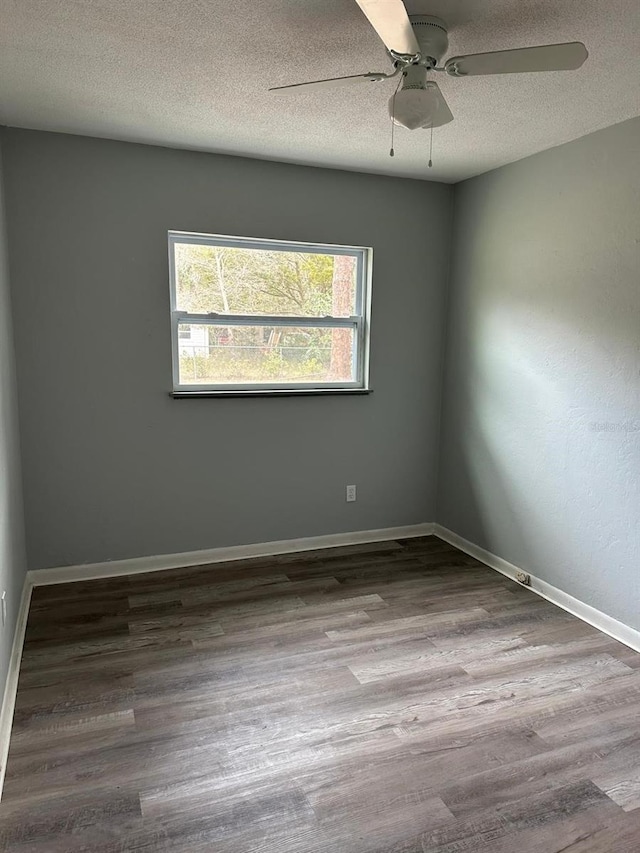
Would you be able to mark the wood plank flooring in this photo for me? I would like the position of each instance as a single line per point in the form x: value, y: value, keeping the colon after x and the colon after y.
x: 387, y: 698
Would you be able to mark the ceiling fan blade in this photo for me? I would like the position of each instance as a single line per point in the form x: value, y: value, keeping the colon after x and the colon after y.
x: 390, y: 20
x: 548, y: 57
x: 442, y: 114
x: 370, y: 77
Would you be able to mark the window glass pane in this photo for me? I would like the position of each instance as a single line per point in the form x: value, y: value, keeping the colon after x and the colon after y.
x: 264, y: 354
x: 235, y: 280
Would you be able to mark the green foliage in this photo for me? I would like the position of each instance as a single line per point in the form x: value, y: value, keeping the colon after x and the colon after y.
x: 230, y: 280
x: 220, y: 367
x: 246, y: 281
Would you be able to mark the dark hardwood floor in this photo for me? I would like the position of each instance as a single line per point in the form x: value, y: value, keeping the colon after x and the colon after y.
x: 388, y: 698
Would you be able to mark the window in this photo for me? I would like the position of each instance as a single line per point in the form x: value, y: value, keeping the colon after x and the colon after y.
x: 263, y: 315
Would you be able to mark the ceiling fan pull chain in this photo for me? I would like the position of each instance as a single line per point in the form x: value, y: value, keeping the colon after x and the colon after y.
x: 393, y: 112
x: 431, y: 148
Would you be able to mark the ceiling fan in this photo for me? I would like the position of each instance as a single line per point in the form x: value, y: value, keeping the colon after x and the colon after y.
x: 416, y: 43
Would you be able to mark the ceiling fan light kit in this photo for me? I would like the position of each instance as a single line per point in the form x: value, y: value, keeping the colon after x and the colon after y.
x: 412, y: 108
x: 419, y: 102
x: 417, y: 43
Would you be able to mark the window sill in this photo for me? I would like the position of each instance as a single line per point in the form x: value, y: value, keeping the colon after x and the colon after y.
x: 319, y: 392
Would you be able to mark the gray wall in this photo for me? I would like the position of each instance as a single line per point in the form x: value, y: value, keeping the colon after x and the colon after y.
x: 113, y: 467
x: 12, y: 558
x: 540, y: 449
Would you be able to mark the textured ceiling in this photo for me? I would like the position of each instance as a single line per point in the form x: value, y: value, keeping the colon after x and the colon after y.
x: 194, y: 74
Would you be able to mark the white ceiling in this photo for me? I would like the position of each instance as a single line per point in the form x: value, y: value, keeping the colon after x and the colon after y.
x: 194, y: 74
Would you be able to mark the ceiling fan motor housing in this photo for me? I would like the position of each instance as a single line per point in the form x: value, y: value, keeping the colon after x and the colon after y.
x: 431, y: 35
x: 416, y: 103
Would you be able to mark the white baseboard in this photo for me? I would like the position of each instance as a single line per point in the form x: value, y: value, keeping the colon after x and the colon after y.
x: 115, y: 568
x: 11, y: 685
x: 607, y: 624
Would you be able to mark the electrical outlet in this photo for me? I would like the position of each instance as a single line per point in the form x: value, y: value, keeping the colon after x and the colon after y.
x: 351, y: 493
x: 4, y: 607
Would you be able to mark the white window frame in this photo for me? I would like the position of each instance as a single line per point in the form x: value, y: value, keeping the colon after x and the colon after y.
x: 359, y: 322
